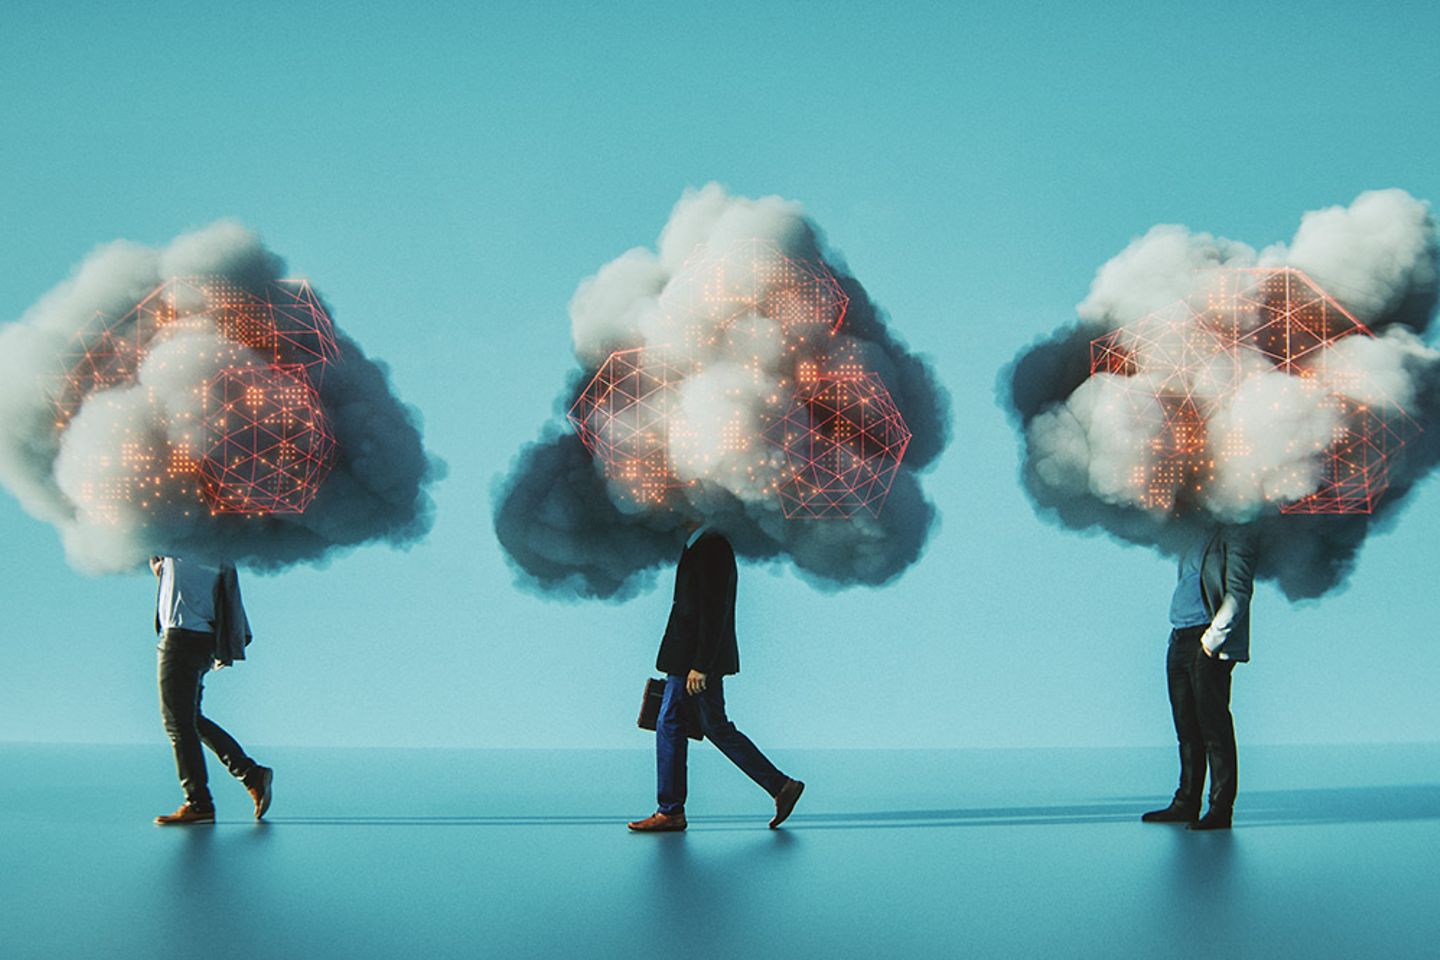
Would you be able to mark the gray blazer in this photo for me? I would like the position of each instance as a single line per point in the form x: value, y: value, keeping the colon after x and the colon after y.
x: 232, y: 627
x: 1227, y: 579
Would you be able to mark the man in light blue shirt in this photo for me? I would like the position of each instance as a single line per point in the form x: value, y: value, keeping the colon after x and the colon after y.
x: 1210, y: 633
x: 202, y: 626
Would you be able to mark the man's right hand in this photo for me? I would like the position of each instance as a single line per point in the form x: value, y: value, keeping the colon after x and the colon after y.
x: 155, y: 564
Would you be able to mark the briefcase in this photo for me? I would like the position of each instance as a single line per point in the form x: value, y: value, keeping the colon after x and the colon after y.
x: 650, y: 710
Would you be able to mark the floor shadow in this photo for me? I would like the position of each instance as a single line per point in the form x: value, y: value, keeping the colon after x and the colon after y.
x: 1321, y: 805
x: 980, y: 816
x: 1340, y: 805
x: 460, y: 820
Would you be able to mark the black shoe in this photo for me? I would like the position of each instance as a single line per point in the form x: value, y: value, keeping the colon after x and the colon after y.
x: 1175, y: 813
x: 785, y: 801
x: 1214, y: 820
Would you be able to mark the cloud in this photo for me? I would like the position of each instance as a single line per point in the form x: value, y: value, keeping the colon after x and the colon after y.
x: 1203, y: 382
x: 717, y: 330
x: 109, y: 427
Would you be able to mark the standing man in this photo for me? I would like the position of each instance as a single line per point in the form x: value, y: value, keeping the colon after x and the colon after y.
x: 202, y: 626
x: 1210, y: 621
x: 698, y: 650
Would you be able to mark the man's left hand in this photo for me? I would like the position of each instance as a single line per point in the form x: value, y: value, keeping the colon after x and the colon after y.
x: 219, y: 665
x: 695, y: 683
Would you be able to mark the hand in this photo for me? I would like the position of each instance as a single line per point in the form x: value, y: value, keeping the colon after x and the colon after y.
x: 155, y: 564
x: 219, y: 665
x: 695, y: 682
x: 1205, y: 647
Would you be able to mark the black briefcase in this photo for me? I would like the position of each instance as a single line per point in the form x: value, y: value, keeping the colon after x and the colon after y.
x: 650, y: 710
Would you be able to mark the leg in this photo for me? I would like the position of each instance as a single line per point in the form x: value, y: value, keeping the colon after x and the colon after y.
x: 1179, y: 664
x: 182, y: 664
x: 671, y: 747
x: 257, y: 779
x: 735, y: 745
x: 221, y: 743
x: 1212, y: 695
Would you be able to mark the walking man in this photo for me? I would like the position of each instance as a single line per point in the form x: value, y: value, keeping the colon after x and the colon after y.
x: 697, y: 652
x: 1210, y: 633
x: 202, y: 626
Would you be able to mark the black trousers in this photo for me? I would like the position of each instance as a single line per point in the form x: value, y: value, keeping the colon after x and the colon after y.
x: 185, y: 657
x: 1200, y: 704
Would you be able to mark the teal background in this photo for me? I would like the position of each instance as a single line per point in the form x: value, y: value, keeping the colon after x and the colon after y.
x: 447, y: 173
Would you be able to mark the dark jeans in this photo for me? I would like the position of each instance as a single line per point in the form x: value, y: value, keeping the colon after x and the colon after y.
x: 185, y: 657
x: 1200, y: 703
x: 671, y: 745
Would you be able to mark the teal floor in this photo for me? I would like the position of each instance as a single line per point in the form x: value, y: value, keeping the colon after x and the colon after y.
x: 425, y: 854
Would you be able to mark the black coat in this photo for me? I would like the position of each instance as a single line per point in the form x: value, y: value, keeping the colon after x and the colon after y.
x: 701, y: 632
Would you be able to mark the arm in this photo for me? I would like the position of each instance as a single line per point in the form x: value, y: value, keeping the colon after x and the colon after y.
x: 157, y: 567
x: 1239, y: 553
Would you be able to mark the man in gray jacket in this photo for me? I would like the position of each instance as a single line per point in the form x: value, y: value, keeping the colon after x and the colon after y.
x: 1210, y: 633
x: 202, y: 626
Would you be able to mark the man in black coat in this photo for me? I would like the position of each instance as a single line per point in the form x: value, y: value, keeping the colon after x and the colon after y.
x: 697, y: 652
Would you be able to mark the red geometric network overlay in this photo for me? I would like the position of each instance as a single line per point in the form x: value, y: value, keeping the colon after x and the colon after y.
x: 1185, y: 357
x: 264, y: 446
x: 269, y: 443
x: 624, y: 418
x: 843, y: 441
x: 838, y: 432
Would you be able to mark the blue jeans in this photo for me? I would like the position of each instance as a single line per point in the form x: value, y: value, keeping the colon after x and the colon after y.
x: 671, y: 744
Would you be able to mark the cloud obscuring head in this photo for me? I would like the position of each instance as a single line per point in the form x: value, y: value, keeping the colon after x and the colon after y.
x: 737, y: 374
x: 1203, y: 382
x: 189, y: 400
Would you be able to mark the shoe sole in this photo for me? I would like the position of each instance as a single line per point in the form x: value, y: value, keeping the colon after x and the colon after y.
x: 183, y: 823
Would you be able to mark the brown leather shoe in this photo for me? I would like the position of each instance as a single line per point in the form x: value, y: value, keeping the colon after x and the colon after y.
x: 257, y: 782
x: 785, y: 801
x: 659, y: 822
x: 188, y: 813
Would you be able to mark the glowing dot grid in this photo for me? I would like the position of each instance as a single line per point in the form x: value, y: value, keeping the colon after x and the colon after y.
x: 840, y: 436
x: 269, y: 443
x: 265, y: 453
